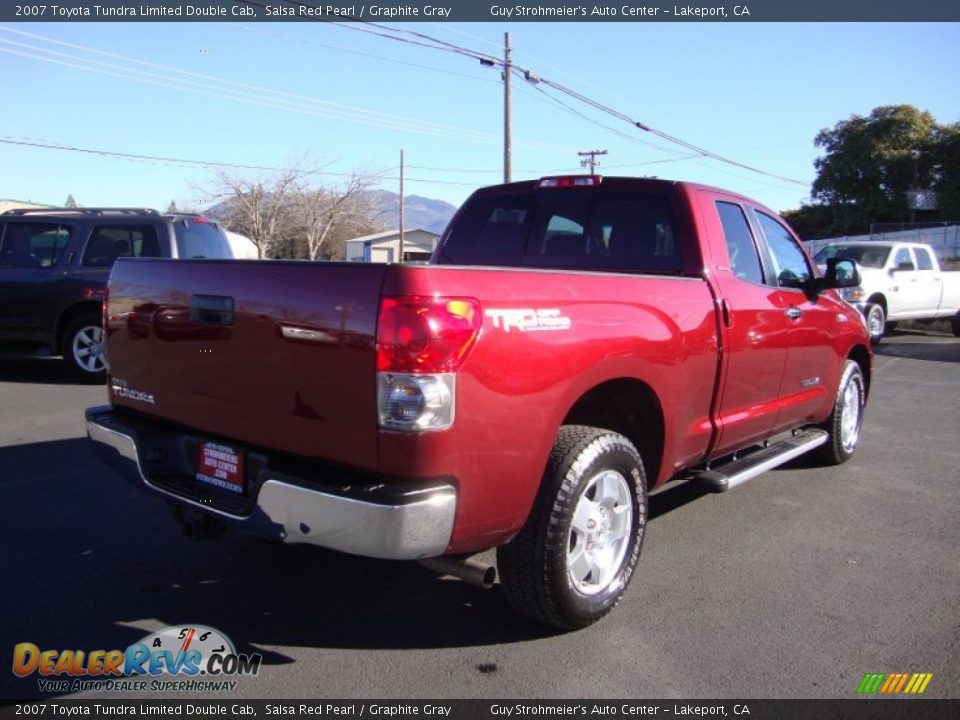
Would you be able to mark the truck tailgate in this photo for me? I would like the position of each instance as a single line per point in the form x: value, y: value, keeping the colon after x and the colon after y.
x: 265, y: 353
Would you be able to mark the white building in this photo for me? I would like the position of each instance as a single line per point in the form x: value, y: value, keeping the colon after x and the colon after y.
x: 384, y: 247
x: 242, y: 247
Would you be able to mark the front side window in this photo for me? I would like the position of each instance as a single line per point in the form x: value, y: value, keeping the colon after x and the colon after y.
x: 109, y: 242
x: 33, y: 244
x: 744, y: 260
x: 792, y: 268
x: 903, y: 261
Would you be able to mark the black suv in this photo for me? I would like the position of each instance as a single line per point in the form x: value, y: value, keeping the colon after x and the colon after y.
x: 54, y: 265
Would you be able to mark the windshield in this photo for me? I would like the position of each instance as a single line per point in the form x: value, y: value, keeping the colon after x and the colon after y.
x: 200, y: 238
x: 567, y: 228
x: 865, y: 255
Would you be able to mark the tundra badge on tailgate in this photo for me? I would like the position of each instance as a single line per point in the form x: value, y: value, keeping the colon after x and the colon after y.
x: 120, y: 389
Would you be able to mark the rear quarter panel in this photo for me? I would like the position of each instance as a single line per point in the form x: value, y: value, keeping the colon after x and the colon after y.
x: 516, y: 386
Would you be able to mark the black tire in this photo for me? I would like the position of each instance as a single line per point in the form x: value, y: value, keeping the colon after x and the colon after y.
x: 842, y: 427
x: 538, y: 567
x: 890, y: 327
x: 876, y: 323
x: 955, y: 324
x: 80, y: 347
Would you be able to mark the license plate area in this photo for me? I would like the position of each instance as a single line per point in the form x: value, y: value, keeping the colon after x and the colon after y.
x: 221, y: 466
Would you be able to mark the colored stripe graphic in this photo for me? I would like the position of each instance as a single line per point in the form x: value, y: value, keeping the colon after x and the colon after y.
x: 894, y: 683
x: 871, y: 683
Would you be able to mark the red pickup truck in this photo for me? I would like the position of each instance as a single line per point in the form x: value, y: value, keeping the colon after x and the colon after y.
x: 574, y: 343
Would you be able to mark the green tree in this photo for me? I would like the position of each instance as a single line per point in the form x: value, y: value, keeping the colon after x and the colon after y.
x: 70, y: 203
x: 870, y: 162
x: 946, y: 170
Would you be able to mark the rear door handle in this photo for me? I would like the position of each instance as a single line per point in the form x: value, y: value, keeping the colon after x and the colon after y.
x: 794, y: 313
x: 211, y: 310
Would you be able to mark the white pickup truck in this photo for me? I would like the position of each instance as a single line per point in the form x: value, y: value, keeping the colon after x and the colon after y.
x: 899, y: 281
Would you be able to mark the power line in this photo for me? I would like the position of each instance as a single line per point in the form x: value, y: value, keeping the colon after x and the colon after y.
x: 383, y: 58
x: 161, y: 159
x: 439, y: 44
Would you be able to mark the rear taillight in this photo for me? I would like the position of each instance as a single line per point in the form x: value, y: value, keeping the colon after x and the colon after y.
x: 421, y: 343
x: 105, y: 325
x: 417, y: 334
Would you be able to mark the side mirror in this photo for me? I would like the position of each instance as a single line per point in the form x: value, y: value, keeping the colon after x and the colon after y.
x: 841, y: 273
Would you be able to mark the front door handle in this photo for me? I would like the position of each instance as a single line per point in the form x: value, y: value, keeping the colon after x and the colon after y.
x: 794, y: 313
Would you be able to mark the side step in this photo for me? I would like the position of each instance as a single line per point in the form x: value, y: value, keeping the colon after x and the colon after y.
x: 746, y: 468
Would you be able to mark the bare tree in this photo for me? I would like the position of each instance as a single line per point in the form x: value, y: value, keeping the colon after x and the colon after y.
x: 257, y: 208
x: 327, y: 217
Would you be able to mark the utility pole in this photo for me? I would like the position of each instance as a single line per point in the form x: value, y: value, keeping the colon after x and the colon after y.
x: 507, y: 144
x: 590, y: 159
x: 401, y: 206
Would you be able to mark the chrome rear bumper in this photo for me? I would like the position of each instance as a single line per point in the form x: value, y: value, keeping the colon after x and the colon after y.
x: 417, y: 525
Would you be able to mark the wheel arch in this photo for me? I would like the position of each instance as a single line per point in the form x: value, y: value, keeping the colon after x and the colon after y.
x: 69, y: 314
x: 630, y: 407
x: 878, y: 298
x: 861, y: 356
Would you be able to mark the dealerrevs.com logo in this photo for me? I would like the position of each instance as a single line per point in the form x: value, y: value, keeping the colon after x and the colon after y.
x: 189, y: 658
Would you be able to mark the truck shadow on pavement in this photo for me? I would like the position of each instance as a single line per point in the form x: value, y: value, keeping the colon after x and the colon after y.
x: 936, y: 348
x: 92, y: 563
x: 45, y: 371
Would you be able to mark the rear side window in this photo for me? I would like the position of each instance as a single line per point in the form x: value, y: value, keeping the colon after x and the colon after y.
x: 199, y: 238
x: 744, y: 260
x: 924, y: 261
x: 33, y: 244
x: 792, y: 268
x: 109, y: 242
x: 576, y: 229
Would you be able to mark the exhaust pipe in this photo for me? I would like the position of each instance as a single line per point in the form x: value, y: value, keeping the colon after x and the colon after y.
x: 469, y: 570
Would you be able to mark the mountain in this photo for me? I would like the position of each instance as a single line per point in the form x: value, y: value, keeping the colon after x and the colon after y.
x: 419, y: 213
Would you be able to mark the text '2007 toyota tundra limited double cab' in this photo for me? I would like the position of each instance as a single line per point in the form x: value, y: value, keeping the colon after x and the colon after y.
x: 574, y: 343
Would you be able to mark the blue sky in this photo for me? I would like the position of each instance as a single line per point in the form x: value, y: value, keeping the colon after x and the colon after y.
x: 265, y: 93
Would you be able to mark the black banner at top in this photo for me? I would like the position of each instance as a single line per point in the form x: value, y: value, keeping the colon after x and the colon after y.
x: 481, y: 11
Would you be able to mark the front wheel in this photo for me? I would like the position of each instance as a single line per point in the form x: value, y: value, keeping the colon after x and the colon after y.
x: 573, y: 560
x: 82, y: 348
x: 876, y: 323
x: 846, y: 418
x: 955, y: 324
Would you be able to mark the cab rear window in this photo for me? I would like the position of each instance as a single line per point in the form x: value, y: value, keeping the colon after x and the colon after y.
x: 567, y: 228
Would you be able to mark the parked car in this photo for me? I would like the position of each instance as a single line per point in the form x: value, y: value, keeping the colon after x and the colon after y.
x: 574, y: 343
x: 899, y: 281
x: 54, y: 265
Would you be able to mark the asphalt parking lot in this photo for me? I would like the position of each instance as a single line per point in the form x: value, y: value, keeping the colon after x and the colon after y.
x: 793, y: 585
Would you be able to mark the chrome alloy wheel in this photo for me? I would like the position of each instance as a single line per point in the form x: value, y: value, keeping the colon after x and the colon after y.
x: 851, y: 410
x: 599, y: 532
x: 876, y: 323
x: 87, y: 349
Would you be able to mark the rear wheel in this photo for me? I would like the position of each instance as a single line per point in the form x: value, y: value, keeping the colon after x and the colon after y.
x: 846, y: 418
x: 876, y: 323
x: 82, y: 348
x: 955, y: 324
x: 572, y: 562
